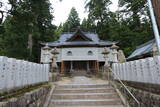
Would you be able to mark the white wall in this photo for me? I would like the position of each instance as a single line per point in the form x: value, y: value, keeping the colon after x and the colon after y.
x: 143, y: 70
x: 78, y: 53
x: 18, y: 73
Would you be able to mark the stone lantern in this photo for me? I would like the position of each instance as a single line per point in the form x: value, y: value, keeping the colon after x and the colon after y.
x: 114, y: 52
x: 106, y: 65
x: 54, y: 52
x: 46, y: 49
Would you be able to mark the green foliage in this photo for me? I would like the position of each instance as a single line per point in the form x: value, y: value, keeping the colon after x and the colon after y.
x: 130, y: 26
x: 58, y: 31
x: 88, y: 25
x: 28, y: 24
x: 99, y: 14
x: 72, y: 22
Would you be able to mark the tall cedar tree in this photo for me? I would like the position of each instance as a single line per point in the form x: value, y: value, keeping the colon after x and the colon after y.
x: 88, y: 25
x: 28, y: 24
x: 72, y: 22
x: 98, y: 12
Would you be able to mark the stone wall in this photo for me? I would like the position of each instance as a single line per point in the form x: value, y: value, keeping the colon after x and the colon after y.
x: 153, y: 88
x: 35, y: 98
x: 147, y: 99
x: 147, y: 94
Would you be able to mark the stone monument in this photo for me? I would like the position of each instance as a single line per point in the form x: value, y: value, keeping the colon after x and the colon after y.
x: 121, y: 56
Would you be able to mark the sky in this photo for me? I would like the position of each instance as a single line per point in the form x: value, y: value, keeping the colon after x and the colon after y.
x: 62, y: 9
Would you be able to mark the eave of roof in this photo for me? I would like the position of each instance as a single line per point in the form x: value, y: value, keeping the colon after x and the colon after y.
x: 80, y: 43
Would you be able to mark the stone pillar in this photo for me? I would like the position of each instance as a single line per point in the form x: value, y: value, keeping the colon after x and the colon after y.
x: 106, y: 65
x: 46, y: 54
x: 54, y: 66
x: 114, y: 52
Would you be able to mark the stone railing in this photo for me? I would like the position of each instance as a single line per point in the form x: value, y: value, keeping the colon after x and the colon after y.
x: 143, y: 70
x: 19, y: 73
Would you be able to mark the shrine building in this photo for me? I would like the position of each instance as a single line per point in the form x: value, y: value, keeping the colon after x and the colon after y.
x: 79, y: 51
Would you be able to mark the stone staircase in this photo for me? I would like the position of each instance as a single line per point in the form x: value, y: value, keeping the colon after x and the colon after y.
x: 85, y: 95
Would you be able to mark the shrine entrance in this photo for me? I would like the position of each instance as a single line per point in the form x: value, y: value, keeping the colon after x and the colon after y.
x: 79, y: 67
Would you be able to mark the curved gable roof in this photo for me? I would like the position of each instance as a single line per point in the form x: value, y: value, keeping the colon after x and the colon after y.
x: 79, y: 35
x: 65, y: 36
x: 67, y: 39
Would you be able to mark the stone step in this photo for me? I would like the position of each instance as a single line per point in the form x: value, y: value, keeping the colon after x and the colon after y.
x: 85, y: 96
x: 85, y: 90
x: 88, y: 102
x: 93, y: 106
x: 84, y: 86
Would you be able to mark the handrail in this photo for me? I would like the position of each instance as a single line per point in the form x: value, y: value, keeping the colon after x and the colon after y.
x: 126, y: 88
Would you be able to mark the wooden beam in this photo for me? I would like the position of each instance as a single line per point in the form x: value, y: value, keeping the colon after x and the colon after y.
x: 97, y: 66
x: 62, y: 67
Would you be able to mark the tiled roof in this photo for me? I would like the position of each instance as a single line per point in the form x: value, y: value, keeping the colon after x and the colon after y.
x: 65, y: 36
x: 143, y: 49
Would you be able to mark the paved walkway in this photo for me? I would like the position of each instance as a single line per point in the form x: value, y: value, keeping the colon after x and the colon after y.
x: 81, y: 80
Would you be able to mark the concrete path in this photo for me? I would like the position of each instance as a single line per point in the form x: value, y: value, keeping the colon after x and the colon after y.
x: 84, y: 92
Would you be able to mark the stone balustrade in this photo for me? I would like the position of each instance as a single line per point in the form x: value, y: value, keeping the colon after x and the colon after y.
x: 19, y: 73
x: 143, y: 70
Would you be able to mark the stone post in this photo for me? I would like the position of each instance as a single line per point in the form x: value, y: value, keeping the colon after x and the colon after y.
x: 106, y: 65
x: 46, y: 48
x: 54, y: 66
x: 114, y: 52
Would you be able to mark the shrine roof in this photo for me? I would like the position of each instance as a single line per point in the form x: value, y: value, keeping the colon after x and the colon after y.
x: 143, y: 49
x: 71, y: 39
